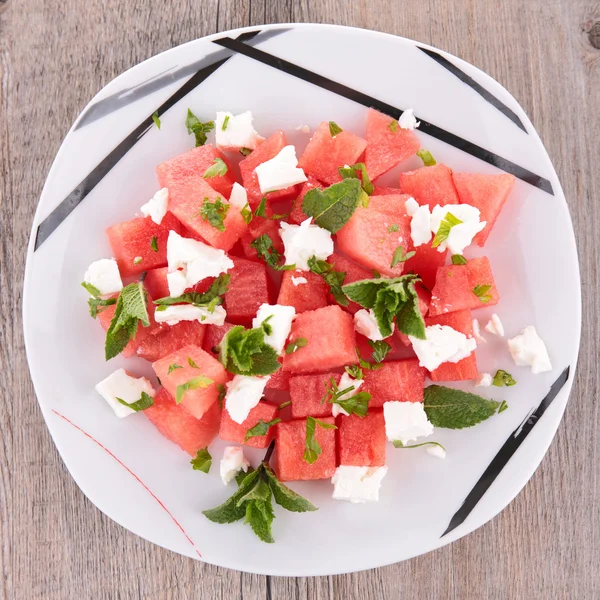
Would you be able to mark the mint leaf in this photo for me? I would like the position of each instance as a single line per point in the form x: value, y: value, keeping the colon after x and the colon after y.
x: 261, y: 209
x: 246, y: 214
x: 357, y: 404
x: 154, y: 243
x: 366, y: 365
x: 92, y: 289
x: 350, y: 173
x: 222, y: 393
x: 355, y: 371
x: 203, y: 461
x: 455, y: 409
x: 263, y: 244
x: 156, y: 119
x: 387, y: 303
x: 481, y: 291
x: 426, y: 157
x: 332, y: 207
x: 409, y: 319
x: 199, y: 129
x: 295, y: 344
x: 260, y: 515
x: 212, y: 296
x: 312, y: 448
x: 380, y: 350
x: 393, y: 228
x: 214, y: 213
x: 245, y: 151
x: 192, y: 363
x: 245, y: 352
x: 229, y: 511
x: 260, y: 429
x: 400, y: 257
x: 503, y: 406
x: 267, y: 326
x: 193, y: 384
x: 458, y: 259
x: 146, y: 401
x: 399, y: 444
x: 225, y: 123
x: 334, y: 128
x: 334, y: 279
x: 259, y: 491
x: 172, y: 367
x: 364, y: 292
x: 286, y: 497
x: 502, y: 378
x: 97, y: 305
x: 448, y: 222
x: 217, y: 169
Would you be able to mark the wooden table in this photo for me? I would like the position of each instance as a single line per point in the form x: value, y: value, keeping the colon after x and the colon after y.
x: 54, y: 56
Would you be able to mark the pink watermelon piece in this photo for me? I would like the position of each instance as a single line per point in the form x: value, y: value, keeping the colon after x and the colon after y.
x: 156, y: 283
x: 425, y: 263
x: 248, y: 289
x: 454, y: 286
x: 213, y: 336
x: 297, y: 215
x: 179, y: 426
x: 402, y: 380
x: 231, y: 431
x: 325, y: 154
x: 466, y: 368
x: 367, y: 238
x: 195, y: 401
x: 290, y: 445
x: 169, y: 339
x: 192, y: 165
x: 382, y: 190
x: 486, y: 192
x: 387, y: 147
x: 322, y: 352
x: 307, y: 391
x: 354, y: 272
x: 280, y: 380
x: 257, y: 227
x: 430, y: 185
x: 133, y: 239
x: 304, y: 296
x: 362, y: 441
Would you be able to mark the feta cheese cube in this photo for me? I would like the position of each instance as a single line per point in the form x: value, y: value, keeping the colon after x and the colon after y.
x: 406, y: 421
x: 484, y: 380
x: 156, y: 208
x: 232, y: 463
x: 280, y: 172
x: 177, y: 282
x: 280, y: 320
x: 243, y: 394
x: 442, y: 344
x: 303, y: 241
x: 461, y: 235
x: 346, y: 381
x: 436, y: 451
x: 299, y: 280
x: 408, y: 120
x: 239, y: 196
x: 420, y: 223
x: 529, y: 350
x: 104, y: 275
x: 495, y: 326
x: 122, y: 385
x: 366, y: 324
x: 171, y: 315
x: 477, y: 332
x: 238, y: 133
x: 357, y: 484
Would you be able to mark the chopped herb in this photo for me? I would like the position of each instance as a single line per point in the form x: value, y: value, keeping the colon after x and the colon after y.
x: 225, y: 123
x: 264, y: 246
x: 448, y: 222
x: 312, y: 448
x: 399, y: 444
x: 503, y: 406
x: 393, y: 228
x: 245, y: 151
x: 95, y: 303
x: 267, y: 326
x: 208, y: 299
x: 284, y: 404
x: 426, y: 157
x: 261, y: 209
x: 91, y: 289
x: 246, y: 214
x: 192, y: 363
x: 199, y: 129
x: 217, y: 169
x: 334, y: 128
x: 156, y: 119
x: 334, y: 279
x: 214, y: 213
x: 355, y: 371
x: 222, y: 392
x: 260, y: 429
x: 502, y: 378
x: 350, y: 173
x: 357, y: 404
x: 400, y: 257
x: 376, y: 274
x: 245, y: 352
x: 193, y: 384
x: 393, y: 126
x: 203, y: 461
x: 172, y: 367
x: 380, y: 350
x: 154, y: 243
x: 137, y: 260
x: 481, y: 291
x: 365, y: 364
x: 143, y: 403
x: 300, y: 342
x: 458, y: 259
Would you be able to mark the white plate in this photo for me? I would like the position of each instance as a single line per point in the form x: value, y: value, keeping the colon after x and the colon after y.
x: 144, y: 482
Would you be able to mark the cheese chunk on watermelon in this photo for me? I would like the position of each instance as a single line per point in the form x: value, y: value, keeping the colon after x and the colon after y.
x: 430, y: 185
x: 307, y: 391
x: 402, y: 380
x: 308, y: 295
x: 248, y: 289
x: 230, y: 431
x: 362, y: 441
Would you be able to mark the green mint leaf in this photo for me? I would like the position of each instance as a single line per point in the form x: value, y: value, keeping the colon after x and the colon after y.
x: 246, y: 214
x: 91, y: 289
x: 225, y: 123
x: 267, y: 326
x: 380, y: 350
x: 286, y: 497
x: 214, y: 213
x: 259, y: 491
x: 387, y: 303
x: 364, y: 292
x: 448, y: 222
x: 284, y: 404
x: 156, y: 119
x: 334, y: 279
x: 295, y: 344
x: 399, y: 444
x: 154, y: 243
x: 172, y: 367
x: 263, y: 245
x: 97, y: 305
x: 261, y: 209
x: 245, y: 352
x: 348, y: 173
x: 455, y: 409
x: 241, y: 475
x: 458, y: 259
x: 332, y: 207
x: 366, y: 365
x: 400, y: 257
x: 193, y: 384
x: 192, y: 363
x: 217, y: 169
x: 229, y: 511
x: 503, y: 406
x: 502, y: 378
x: 214, y: 293
x: 376, y: 274
x: 146, y: 401
x: 222, y: 392
x: 260, y: 429
x: 334, y: 128
x: 202, y: 461
x: 393, y: 228
x: 260, y: 515
x: 197, y: 128
x: 481, y: 291
x: 409, y: 319
x: 245, y: 151
x: 355, y: 371
x: 393, y: 126
x: 351, y: 173
x: 312, y: 448
x: 357, y: 404
x: 426, y: 157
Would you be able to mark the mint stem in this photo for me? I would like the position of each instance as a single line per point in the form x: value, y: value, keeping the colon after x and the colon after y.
x: 270, y: 449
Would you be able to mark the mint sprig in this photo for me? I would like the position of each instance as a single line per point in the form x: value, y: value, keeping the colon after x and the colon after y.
x: 263, y: 245
x: 380, y: 349
x: 260, y: 429
x: 214, y: 213
x: 312, y: 449
x: 193, y: 384
x: 210, y: 298
x: 294, y: 345
x: 399, y: 444
x: 97, y: 304
x: 172, y: 367
x: 334, y: 279
x: 355, y: 371
x: 350, y: 173
x: 245, y: 352
x: 202, y: 461
x: 146, y: 401
x: 217, y: 169
x: 197, y: 128
x: 246, y: 214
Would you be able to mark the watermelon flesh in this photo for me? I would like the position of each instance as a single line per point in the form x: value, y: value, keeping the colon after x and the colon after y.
x: 248, y: 289
x: 430, y: 185
x: 387, y: 148
x: 169, y: 339
x: 257, y: 227
x: 354, y: 272
x: 156, y: 283
x: 230, y: 431
x: 307, y: 391
x: 177, y: 425
x: 297, y: 214
x: 425, y: 263
x: 382, y: 190
x: 362, y: 441
x: 402, y: 380
x: 280, y: 380
x: 304, y: 296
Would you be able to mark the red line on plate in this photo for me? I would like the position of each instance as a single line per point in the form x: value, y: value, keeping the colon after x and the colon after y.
x: 187, y: 537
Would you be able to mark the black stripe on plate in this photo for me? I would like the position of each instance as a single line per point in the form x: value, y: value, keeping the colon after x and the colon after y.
x: 75, y: 197
x: 466, y: 79
x: 517, y: 437
x: 370, y: 102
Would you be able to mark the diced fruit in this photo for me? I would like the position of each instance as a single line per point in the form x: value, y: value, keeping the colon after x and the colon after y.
x: 197, y: 400
x: 213, y: 336
x: 248, y: 289
x: 297, y: 215
x: 402, y: 380
x: 366, y: 350
x: 280, y: 380
x: 370, y: 237
x: 382, y: 190
x: 466, y: 368
x: 425, y: 263
x: 179, y: 426
x: 304, y: 296
x: 486, y: 192
x: 193, y: 164
x: 156, y: 283
x: 307, y: 391
x: 361, y: 441
x: 291, y: 442
x: 454, y: 287
x: 424, y: 302
x: 261, y: 226
x: 231, y: 431
x: 354, y: 272
x: 169, y: 339
x: 330, y: 337
x: 430, y: 185
x: 325, y: 154
x: 387, y: 145
x: 134, y: 239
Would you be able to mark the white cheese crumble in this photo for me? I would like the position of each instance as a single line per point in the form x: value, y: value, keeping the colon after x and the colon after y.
x: 280, y: 172
x: 303, y: 128
x: 243, y: 394
x: 303, y: 241
x: 104, y: 275
x: 436, y: 451
x: 171, y: 315
x: 122, y: 385
x: 406, y: 421
x: 365, y: 323
x: 495, y: 326
x: 461, y: 235
x: 408, y: 120
x: 196, y: 261
x: 156, y: 208
x: 420, y: 223
x: 357, y: 484
x: 477, y: 332
x: 529, y: 350
x: 484, y: 380
x: 442, y: 344
x: 239, y: 196
x: 280, y: 321
x: 232, y: 463
x: 239, y: 131
x: 346, y: 381
x: 299, y: 280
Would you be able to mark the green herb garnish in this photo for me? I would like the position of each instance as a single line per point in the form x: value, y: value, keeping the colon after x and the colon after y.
x: 146, y: 401
x: 245, y: 352
x: 172, y: 367
x: 448, y: 222
x: 334, y: 128
x: 300, y: 342
x: 154, y: 243
x: 312, y: 448
x: 481, y: 291
x: 350, y: 173
x: 214, y: 213
x: 225, y: 123
x: 426, y: 157
x: 334, y: 279
x: 156, y: 119
x: 458, y: 259
x: 209, y: 299
x: 356, y: 404
x: 217, y: 169
x: 264, y: 246
x: 246, y: 214
x: 193, y: 384
x: 380, y: 350
x: 502, y: 378
x: 260, y: 429
x: 400, y: 257
x: 202, y: 461
x: 199, y: 129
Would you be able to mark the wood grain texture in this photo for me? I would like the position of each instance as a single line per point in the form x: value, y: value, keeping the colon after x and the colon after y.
x: 54, y: 544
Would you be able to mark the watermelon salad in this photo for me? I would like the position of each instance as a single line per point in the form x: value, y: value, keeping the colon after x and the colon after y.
x: 296, y: 305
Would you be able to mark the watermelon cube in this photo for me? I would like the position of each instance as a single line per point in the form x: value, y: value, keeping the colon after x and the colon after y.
x: 213, y: 336
x: 156, y: 283
x: 454, y: 287
x: 425, y: 263
x: 193, y: 164
x: 179, y: 426
x: 248, y: 289
x: 402, y: 380
x: 331, y: 341
x: 231, y: 431
x: 362, y: 441
x: 325, y: 153
x: 291, y: 442
x: 297, y: 215
x: 280, y: 380
x: 466, y: 368
x: 387, y: 147
x: 196, y: 401
x: 257, y: 227
x: 170, y: 338
x: 304, y: 296
x: 133, y: 239
x: 430, y: 185
x: 486, y: 192
x: 354, y: 272
x: 373, y: 234
x: 307, y: 392
x: 382, y: 190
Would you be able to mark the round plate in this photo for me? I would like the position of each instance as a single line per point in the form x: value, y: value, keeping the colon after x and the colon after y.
x: 104, y: 172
